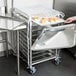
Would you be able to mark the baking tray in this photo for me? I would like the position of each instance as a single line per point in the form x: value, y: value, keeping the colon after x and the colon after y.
x: 47, y: 23
x: 40, y: 12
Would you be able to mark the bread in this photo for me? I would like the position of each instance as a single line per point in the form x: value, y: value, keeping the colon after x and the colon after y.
x: 52, y: 19
x: 43, y: 20
x: 34, y: 18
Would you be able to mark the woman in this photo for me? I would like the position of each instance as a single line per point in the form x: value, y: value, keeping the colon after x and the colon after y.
x: 70, y: 19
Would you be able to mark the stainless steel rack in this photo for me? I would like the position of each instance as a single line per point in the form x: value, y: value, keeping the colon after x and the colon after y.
x: 34, y: 57
x: 29, y: 37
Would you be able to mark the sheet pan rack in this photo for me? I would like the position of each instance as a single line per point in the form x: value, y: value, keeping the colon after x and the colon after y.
x: 32, y: 35
x: 34, y: 57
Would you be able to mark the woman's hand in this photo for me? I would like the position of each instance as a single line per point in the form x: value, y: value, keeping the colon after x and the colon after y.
x: 70, y: 19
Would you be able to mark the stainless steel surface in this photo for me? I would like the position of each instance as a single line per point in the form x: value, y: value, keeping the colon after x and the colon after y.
x: 9, y: 24
x: 49, y: 38
x: 18, y: 60
x: 66, y: 6
x: 33, y: 57
x: 27, y: 37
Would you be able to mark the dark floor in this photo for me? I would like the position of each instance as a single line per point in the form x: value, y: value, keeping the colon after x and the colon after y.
x: 66, y: 68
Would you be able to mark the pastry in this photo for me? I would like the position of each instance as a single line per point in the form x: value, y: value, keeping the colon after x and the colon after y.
x: 43, y: 20
x: 52, y: 19
x: 34, y: 18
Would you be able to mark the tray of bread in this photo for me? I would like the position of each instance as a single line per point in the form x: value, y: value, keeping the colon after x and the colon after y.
x: 43, y: 21
x: 41, y: 15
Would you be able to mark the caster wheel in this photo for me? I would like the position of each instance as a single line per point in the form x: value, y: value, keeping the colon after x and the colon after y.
x: 57, y: 61
x: 32, y: 70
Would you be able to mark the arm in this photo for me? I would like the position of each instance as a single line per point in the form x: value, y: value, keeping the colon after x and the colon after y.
x: 70, y: 19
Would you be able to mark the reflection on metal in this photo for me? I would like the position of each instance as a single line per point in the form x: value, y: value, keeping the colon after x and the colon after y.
x: 67, y: 6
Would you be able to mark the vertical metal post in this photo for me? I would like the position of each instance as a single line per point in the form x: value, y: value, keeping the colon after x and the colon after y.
x: 5, y: 2
x: 57, y: 53
x: 6, y: 37
x: 18, y: 61
x: 28, y: 42
x: 53, y: 4
x: 12, y: 3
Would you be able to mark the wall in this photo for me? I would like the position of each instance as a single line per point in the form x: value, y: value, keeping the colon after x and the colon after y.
x: 66, y: 6
x: 47, y: 3
x: 26, y: 3
x: 33, y: 2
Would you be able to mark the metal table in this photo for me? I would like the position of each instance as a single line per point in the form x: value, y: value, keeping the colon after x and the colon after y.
x: 8, y: 24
